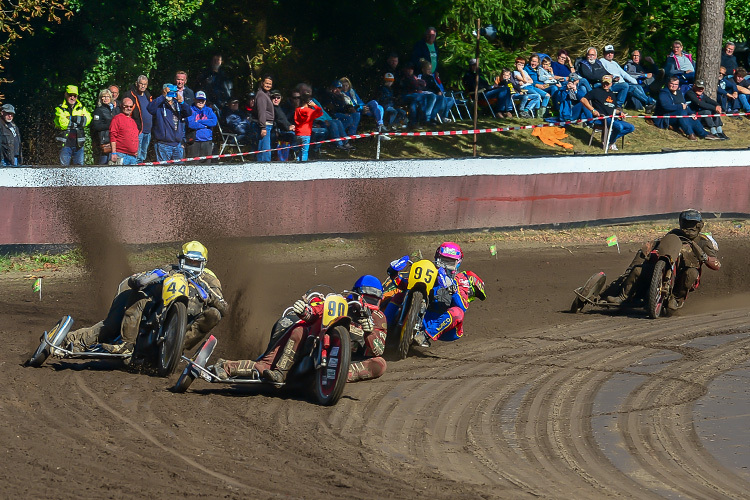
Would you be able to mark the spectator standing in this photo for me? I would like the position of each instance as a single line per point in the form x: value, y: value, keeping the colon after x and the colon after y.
x: 71, y: 120
x: 10, y: 138
x: 264, y: 114
x: 680, y: 63
x: 627, y: 83
x: 701, y: 104
x: 601, y: 101
x: 141, y: 98
x: 103, y: 115
x: 283, y: 128
x: 217, y: 84
x: 304, y: 117
x: 672, y: 102
x: 169, y: 113
x: 202, y: 120
x: 426, y: 49
x: 188, y: 96
x: 115, y: 96
x: 124, y: 135
x: 728, y: 59
x: 501, y: 93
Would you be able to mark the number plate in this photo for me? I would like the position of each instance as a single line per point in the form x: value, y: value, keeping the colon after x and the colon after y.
x: 174, y: 286
x: 334, y: 307
x: 423, y: 271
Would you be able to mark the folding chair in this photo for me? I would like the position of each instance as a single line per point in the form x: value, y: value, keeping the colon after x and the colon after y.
x: 601, y: 126
x: 482, y: 94
x: 461, y: 101
x: 227, y: 140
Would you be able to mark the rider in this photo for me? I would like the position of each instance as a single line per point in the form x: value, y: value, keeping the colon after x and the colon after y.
x: 704, y: 249
x: 369, y: 362
x: 275, y: 364
x: 118, y: 331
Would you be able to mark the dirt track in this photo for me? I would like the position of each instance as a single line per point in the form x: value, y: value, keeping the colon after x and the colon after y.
x: 532, y: 402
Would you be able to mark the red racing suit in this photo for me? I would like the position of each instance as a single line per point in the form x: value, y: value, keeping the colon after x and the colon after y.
x: 368, y: 362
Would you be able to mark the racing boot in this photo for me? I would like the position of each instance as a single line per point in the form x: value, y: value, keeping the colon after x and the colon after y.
x: 278, y: 375
x: 615, y: 299
x: 674, y: 303
x: 218, y: 369
x: 422, y: 340
x: 119, y: 348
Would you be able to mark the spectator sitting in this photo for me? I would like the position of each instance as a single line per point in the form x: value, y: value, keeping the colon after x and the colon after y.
x: 169, y: 113
x: 725, y: 89
x: 10, y: 138
x: 342, y: 107
x: 180, y: 79
x: 532, y: 69
x: 202, y: 120
x: 562, y: 66
x: 547, y: 76
x: 527, y: 84
x: 283, y: 128
x: 529, y: 100
x: 680, y: 64
x: 392, y: 115
x: 372, y: 108
x: 568, y: 101
x: 123, y: 132
x: 728, y: 59
x: 103, y: 115
x: 391, y: 65
x: 651, y: 78
x: 742, y: 85
x: 426, y: 49
x: 304, y: 117
x: 672, y: 102
x: 333, y: 126
x: 443, y: 104
x: 636, y: 93
x: 701, y: 104
x: 500, y: 93
x: 600, y: 101
x: 217, y: 84
x: 235, y: 121
x: 413, y: 94
x: 140, y: 96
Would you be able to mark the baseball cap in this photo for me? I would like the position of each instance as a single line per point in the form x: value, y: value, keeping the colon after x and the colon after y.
x: 699, y: 84
x: 389, y: 77
x: 275, y: 93
x: 200, y: 95
x: 607, y: 78
x: 71, y: 89
x: 472, y: 61
x: 8, y: 108
x: 336, y: 84
x: 609, y: 48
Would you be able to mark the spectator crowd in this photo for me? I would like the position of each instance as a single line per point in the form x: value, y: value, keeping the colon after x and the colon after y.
x: 179, y: 122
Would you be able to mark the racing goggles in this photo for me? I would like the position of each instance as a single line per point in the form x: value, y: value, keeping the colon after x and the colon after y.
x: 449, y: 264
x: 191, y: 265
x: 371, y: 301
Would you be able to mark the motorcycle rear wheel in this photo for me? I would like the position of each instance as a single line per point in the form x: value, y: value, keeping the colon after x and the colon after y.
x: 329, y: 393
x: 170, y: 350
x: 412, y: 317
x: 55, y: 336
x: 656, y: 297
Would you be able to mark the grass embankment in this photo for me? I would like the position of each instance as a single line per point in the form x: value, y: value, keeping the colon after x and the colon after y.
x: 284, y: 249
x: 645, y: 139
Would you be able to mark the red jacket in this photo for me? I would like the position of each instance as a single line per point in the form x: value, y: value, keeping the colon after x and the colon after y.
x: 304, y: 118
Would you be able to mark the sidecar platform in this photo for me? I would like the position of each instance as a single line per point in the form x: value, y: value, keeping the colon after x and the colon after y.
x: 210, y: 377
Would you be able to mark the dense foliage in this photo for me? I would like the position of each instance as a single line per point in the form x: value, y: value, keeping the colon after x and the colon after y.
x: 108, y: 41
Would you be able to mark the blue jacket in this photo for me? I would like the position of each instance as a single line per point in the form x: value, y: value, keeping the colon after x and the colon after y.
x: 164, y: 129
x: 202, y: 121
x: 668, y: 103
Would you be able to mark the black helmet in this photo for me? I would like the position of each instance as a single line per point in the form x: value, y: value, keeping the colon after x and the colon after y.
x: 690, y: 218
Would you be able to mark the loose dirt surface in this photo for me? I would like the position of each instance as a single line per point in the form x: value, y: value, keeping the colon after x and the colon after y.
x: 532, y: 402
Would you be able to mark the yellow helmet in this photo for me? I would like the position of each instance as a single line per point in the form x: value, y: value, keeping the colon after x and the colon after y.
x: 193, y: 258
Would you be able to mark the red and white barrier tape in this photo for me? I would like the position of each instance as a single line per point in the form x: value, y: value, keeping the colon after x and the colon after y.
x: 438, y: 133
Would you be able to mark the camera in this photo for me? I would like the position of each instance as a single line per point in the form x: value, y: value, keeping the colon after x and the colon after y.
x: 171, y: 90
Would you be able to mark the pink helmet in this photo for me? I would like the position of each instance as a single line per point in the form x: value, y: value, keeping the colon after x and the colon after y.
x: 448, y: 256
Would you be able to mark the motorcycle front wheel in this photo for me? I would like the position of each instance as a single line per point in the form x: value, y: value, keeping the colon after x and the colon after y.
x: 330, y: 380
x: 656, y: 297
x: 170, y: 350
x: 410, y: 325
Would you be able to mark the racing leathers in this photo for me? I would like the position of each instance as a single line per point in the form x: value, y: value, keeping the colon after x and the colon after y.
x: 368, y: 362
x: 701, y: 249
x: 119, y: 330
